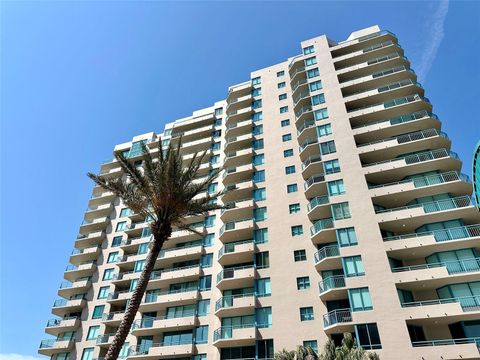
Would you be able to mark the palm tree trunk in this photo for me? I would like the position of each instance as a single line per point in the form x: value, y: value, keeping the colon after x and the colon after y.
x: 122, y: 332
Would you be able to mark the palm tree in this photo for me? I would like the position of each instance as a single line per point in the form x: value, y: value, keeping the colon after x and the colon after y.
x: 166, y: 192
x: 347, y: 351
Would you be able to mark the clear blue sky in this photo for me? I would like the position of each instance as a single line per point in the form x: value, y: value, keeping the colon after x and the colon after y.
x: 79, y: 77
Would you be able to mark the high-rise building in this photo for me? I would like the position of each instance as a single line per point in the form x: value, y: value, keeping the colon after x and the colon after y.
x: 348, y: 213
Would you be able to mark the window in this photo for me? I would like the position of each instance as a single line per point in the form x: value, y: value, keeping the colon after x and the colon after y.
x: 353, y: 266
x: 318, y: 99
x: 282, y: 96
x: 87, y: 354
x: 341, y: 211
x: 98, y: 312
x: 260, y: 214
x: 257, y: 130
x: 328, y: 147
x: 214, y: 159
x: 260, y: 236
x: 202, y: 307
x: 313, y: 73
x: 199, y: 357
x: 310, y: 61
x: 299, y: 255
x: 285, y: 122
x: 208, y: 240
x: 367, y: 336
x: 210, y: 221
x: 133, y: 284
x: 215, y: 146
x: 108, y: 274
x: 212, y: 188
x: 216, y: 133
x: 205, y: 283
x: 256, y: 104
x: 206, y: 260
x: 316, y: 85
x: 294, y: 208
x: 289, y: 169
x: 112, y: 257
x: 121, y: 226
x: 360, y: 299
x: 146, y: 232
x: 331, y: 167
x: 139, y: 265
x: 281, y: 85
x: 311, y: 344
x: 287, y: 153
x: 346, y: 237
x: 103, y: 292
x: 324, y: 130
x: 217, y: 122
x: 335, y: 187
x: 257, y: 80
x: 296, y: 230
x: 124, y: 212
x: 93, y: 332
x: 257, y: 144
x: 218, y: 111
x: 292, y: 188
x: 286, y: 137
x: 303, y: 283
x: 263, y: 317
x: 63, y: 356
x: 306, y: 313
x: 262, y: 260
x: 201, y: 334
x: 320, y: 114
x: 116, y: 241
x: 283, y: 109
x: 280, y: 73
x: 259, y: 194
x: 257, y: 92
x: 257, y: 116
x: 258, y: 159
x: 308, y: 50
x: 262, y: 287
x: 258, y: 176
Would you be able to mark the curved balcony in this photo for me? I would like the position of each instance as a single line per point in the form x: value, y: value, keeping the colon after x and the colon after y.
x: 73, y: 272
x: 240, y: 229
x: 196, y: 146
x: 236, y: 116
x: 306, y: 130
x: 322, y: 231
x: 239, y: 102
x: 301, y: 99
x: 237, y: 191
x: 183, y: 253
x: 239, y: 128
x: 309, y: 148
x: 312, y: 166
x: 239, y: 209
x: 362, y: 43
x: 111, y: 173
x: 79, y: 256
x: 235, y: 143
x: 103, y: 197
x: 105, y: 340
x: 235, y: 305
x: 237, y: 174
x: 232, y: 336
x: 297, y: 73
x: 89, y: 240
x: 336, y: 318
x: 89, y: 226
x: 134, y: 230
x: 238, y: 158
x: 303, y: 114
x: 327, y: 258
x: 55, y: 346
x: 163, y: 350
x: 315, y: 185
x: 98, y: 211
x: 161, y: 278
x: 299, y: 86
x: 319, y: 207
x: 369, y: 52
x: 156, y: 325
x: 332, y: 287
x: 62, y: 307
x: 59, y: 326
x: 69, y: 289
x: 235, y: 278
x: 193, y: 134
x: 157, y: 302
x: 237, y: 252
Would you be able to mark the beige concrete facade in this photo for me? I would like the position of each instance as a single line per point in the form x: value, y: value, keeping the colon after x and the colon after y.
x: 365, y: 225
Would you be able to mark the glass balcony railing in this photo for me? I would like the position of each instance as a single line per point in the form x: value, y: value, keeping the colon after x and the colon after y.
x: 226, y: 332
x: 316, y: 201
x: 440, y: 235
x: 434, y: 206
x: 402, y: 119
x: 468, y: 303
x: 58, y: 322
x: 230, y: 272
x: 321, y: 224
x: 60, y: 302
x: 314, y: 180
x: 306, y: 125
x: 228, y: 301
x: 326, y: 252
x: 233, y: 224
x: 148, y: 322
x: 303, y: 110
x: 336, y: 317
x: 414, y: 136
x: 445, y: 342
x: 230, y: 248
x: 395, y: 102
x: 301, y: 96
x: 155, y: 275
x: 420, y: 157
x: 307, y: 143
x: 388, y: 87
x: 453, y: 267
x: 144, y: 349
x: 429, y: 180
x: 331, y: 282
x: 154, y: 297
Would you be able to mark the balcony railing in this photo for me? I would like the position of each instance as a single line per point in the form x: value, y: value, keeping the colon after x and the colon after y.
x: 468, y: 303
x: 232, y: 224
x: 226, y: 332
x: 378, y: 74
x: 312, y: 159
x: 420, y: 157
x: 147, y: 322
x: 227, y: 301
x: 321, y: 225
x: 303, y: 110
x: 307, y: 124
x: 57, y: 322
x: 297, y: 70
x: 434, y: 206
x: 395, y: 102
x: 316, y: 201
x: 144, y: 349
x: 230, y: 272
x: 326, y: 252
x: 301, y: 96
x: 112, y: 315
x: 313, y: 180
x: 158, y: 274
x: 388, y: 87
x: 472, y: 340
x: 336, y: 317
x: 49, y: 343
x: 429, y: 180
x: 307, y: 143
x: 165, y: 252
x: 331, y: 282
x: 401, y: 119
x: 440, y: 235
x: 230, y: 248
x: 150, y: 298
x: 453, y: 267
x: 418, y: 135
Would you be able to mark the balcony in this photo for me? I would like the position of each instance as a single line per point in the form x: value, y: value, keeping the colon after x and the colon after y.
x: 418, y: 214
x: 307, y: 130
x: 240, y: 229
x: 328, y: 258
x: 315, y: 185
x: 319, y: 207
x: 361, y: 43
x: 153, y: 326
x: 398, y: 168
x: 73, y: 272
x: 62, y: 307
x: 131, y: 244
x: 237, y: 191
x: 299, y: 86
x: 83, y: 255
x: 323, y: 231
x: 235, y: 305
x: 237, y: 252
x: 113, y: 318
x: 312, y: 166
x: 179, y: 349
x: 333, y: 288
x: 180, y: 236
x: 182, y: 253
x: 424, y: 243
x: 233, y: 336
x: 238, y: 174
x: 165, y: 277
x: 54, y: 346
x: 297, y: 73
x: 303, y: 114
x: 309, y: 148
x: 119, y: 298
x: 336, y: 318
x: 236, y: 143
x: 105, y: 340
x: 239, y: 128
x: 235, y: 278
x: 239, y: 209
x: 99, y: 224
x: 98, y: 211
x: 157, y: 302
x: 369, y: 52
x: 196, y: 146
x: 301, y: 99
x: 236, y: 116
x: 102, y: 197
x: 193, y: 134
x: 111, y: 173
x: 466, y: 348
x: 124, y: 278
x: 239, y: 102
x: 238, y: 158
x: 89, y: 240
x: 135, y: 229
x: 69, y: 289
x: 58, y: 326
